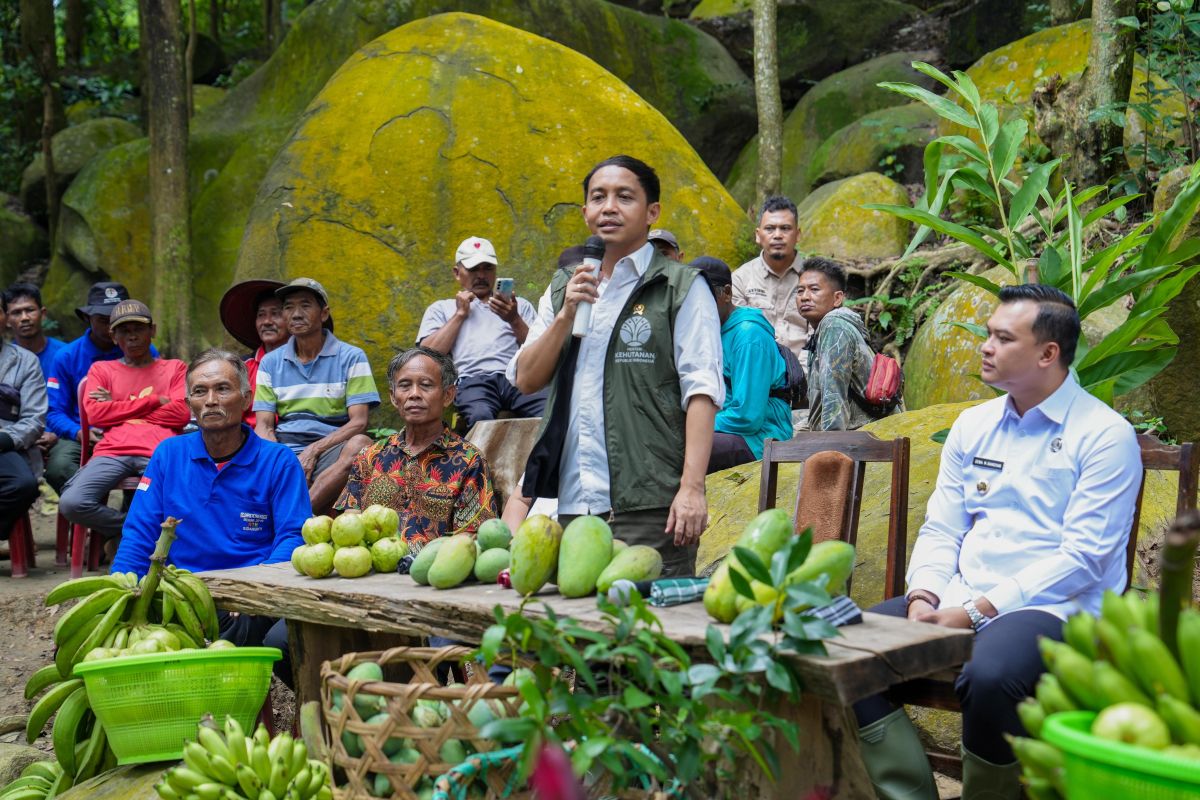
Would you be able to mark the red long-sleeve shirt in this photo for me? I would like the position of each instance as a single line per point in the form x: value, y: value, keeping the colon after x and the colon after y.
x: 134, y: 421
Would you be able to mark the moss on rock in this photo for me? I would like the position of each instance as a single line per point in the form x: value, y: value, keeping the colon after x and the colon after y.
x: 892, y: 138
x: 451, y: 126
x: 73, y: 147
x: 834, y: 223
x: 829, y: 106
x: 23, y: 240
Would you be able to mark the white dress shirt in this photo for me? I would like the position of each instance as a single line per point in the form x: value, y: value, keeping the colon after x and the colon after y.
x: 1031, y: 511
x: 583, y: 486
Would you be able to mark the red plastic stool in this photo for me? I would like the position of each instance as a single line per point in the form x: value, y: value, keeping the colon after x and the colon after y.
x: 62, y: 544
x: 20, y: 547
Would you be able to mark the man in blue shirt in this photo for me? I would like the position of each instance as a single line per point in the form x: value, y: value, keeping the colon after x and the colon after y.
x: 755, y: 376
x: 71, y: 365
x: 25, y: 317
x: 242, y: 499
x: 1027, y: 524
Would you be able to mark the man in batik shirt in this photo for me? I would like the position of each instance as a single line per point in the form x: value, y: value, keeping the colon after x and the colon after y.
x: 437, y: 481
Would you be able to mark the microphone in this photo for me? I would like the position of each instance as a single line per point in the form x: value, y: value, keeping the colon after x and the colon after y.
x: 593, y: 254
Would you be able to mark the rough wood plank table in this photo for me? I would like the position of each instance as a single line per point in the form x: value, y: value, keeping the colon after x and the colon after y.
x: 332, y: 616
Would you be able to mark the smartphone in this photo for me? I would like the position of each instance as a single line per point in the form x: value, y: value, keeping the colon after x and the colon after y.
x: 504, y: 286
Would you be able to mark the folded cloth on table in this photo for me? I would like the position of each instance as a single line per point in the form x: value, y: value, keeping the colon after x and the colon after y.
x: 841, y: 611
x: 676, y: 591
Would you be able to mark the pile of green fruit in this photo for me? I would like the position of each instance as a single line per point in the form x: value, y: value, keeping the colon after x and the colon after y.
x: 447, y: 561
x: 581, y: 560
x: 425, y: 713
x: 228, y: 765
x: 764, y: 535
x: 351, y: 544
x: 1115, y: 664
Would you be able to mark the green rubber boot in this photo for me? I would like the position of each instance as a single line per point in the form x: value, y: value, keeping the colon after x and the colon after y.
x: 983, y: 780
x: 896, y: 760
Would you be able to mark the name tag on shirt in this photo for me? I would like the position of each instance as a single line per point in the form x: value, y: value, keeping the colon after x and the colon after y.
x: 987, y: 463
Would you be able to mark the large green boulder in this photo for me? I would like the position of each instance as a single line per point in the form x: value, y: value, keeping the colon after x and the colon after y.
x: 834, y: 223
x: 832, y: 104
x: 488, y: 138
x: 72, y: 147
x: 683, y: 72
x: 815, y: 38
x: 891, y: 140
x: 23, y: 240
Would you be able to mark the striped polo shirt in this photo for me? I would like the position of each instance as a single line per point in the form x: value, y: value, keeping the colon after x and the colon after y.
x: 313, y: 398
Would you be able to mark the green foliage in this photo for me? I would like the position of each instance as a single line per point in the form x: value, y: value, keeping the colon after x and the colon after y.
x: 1052, y: 232
x: 1144, y: 423
x: 640, y: 706
x: 19, y: 85
x: 899, y: 314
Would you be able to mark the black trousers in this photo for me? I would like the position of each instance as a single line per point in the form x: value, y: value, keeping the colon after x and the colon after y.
x: 728, y: 450
x: 1003, y: 670
x: 247, y: 630
x: 18, y: 490
x: 482, y: 397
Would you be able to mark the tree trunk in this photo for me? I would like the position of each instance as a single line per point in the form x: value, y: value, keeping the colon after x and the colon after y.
x: 167, y: 123
x: 73, y: 33
x: 770, y: 106
x: 214, y: 20
x: 189, y: 58
x: 1062, y: 11
x: 273, y: 23
x: 39, y: 43
x: 1063, y: 111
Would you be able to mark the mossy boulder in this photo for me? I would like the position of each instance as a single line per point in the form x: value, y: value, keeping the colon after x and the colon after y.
x: 14, y: 758
x: 832, y: 104
x: 834, y: 223
x: 73, y: 147
x: 733, y: 498
x: 450, y: 126
x: 21, y: 240
x: 815, y: 38
x: 891, y: 139
x: 683, y: 72
x: 205, y: 97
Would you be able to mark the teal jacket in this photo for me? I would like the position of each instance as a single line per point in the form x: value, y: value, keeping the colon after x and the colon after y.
x: 753, y: 367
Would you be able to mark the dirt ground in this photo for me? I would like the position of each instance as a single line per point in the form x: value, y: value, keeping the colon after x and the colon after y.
x: 26, y: 626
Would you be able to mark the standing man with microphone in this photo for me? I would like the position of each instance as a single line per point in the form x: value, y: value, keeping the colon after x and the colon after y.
x: 629, y: 419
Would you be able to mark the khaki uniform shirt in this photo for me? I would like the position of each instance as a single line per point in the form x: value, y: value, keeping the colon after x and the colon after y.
x: 756, y: 285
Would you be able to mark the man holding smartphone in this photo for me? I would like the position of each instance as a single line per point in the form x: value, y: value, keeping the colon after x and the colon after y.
x: 481, y: 329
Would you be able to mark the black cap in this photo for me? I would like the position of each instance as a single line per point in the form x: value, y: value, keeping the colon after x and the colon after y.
x: 101, y: 299
x: 715, y: 271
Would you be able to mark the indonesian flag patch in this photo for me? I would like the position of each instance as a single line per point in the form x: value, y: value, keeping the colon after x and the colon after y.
x: 52, y: 383
x: 143, y: 484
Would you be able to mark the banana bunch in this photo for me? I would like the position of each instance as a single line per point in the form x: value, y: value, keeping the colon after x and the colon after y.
x: 228, y: 765
x: 1117, y: 665
x: 38, y: 780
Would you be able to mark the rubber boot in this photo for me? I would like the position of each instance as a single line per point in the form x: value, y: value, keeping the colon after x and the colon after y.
x: 896, y: 760
x: 983, y: 780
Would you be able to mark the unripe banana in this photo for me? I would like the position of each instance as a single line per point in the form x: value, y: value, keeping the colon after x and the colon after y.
x: 1181, y: 718
x: 1188, y: 642
x: 223, y: 770
x: 260, y: 762
x: 81, y: 587
x: 1042, y: 759
x: 1079, y: 631
x: 248, y: 780
x: 1113, y: 687
x: 1154, y: 666
x: 167, y: 792
x: 1040, y: 789
x: 213, y: 742
x: 298, y: 758
x: 1114, y: 644
x: 1051, y: 695
x: 261, y: 736
x: 198, y: 759
x: 1032, y: 716
x: 185, y: 780
x: 236, y: 742
x: 210, y: 791
x: 278, y: 782
x: 1074, y: 673
x: 300, y: 781
x: 1116, y: 612
x: 280, y: 744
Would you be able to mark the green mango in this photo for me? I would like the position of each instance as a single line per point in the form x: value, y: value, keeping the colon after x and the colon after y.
x: 419, y: 570
x: 720, y: 597
x: 494, y: 533
x: 453, y: 563
x: 834, y: 558
x: 453, y: 752
x: 766, y: 533
x: 637, y: 563
x: 618, y: 546
x: 489, y: 564
x: 534, y: 553
x: 585, y: 551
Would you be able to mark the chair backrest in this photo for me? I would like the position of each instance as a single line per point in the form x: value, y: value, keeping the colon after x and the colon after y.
x: 1181, y: 458
x: 85, y: 428
x: 863, y: 448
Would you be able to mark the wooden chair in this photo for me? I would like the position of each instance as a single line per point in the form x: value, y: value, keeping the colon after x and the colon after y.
x: 80, y: 533
x: 20, y: 547
x: 938, y: 691
x: 862, y: 448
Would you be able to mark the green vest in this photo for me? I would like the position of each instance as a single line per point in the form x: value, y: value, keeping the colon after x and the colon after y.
x: 643, y: 417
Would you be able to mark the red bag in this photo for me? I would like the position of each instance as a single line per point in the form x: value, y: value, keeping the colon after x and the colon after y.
x: 885, y: 385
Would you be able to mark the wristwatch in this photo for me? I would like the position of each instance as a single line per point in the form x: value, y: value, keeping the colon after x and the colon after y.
x: 976, y: 616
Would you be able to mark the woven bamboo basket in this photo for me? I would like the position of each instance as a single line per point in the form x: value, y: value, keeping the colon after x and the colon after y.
x: 354, y: 775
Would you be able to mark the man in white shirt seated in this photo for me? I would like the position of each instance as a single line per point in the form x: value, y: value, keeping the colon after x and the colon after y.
x: 1026, y: 526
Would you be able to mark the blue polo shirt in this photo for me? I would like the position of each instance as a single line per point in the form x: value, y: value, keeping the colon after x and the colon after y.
x: 71, y: 365
x: 49, y: 353
x: 247, y: 512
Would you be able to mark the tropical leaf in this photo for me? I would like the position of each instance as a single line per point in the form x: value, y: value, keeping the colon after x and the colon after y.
x: 1173, y: 219
x: 1118, y: 340
x: 1025, y: 198
x: 1007, y: 146
x: 941, y: 106
x: 945, y: 227
x: 977, y: 280
x: 1113, y: 290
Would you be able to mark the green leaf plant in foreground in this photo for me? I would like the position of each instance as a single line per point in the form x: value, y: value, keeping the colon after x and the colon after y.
x: 1045, y: 237
x: 641, y: 712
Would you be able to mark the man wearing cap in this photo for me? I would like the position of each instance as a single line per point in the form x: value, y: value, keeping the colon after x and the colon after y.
x: 139, y: 401
x: 756, y: 400
x: 70, y: 366
x: 770, y: 281
x: 665, y: 243
x: 481, y: 331
x: 253, y: 315
x: 314, y: 393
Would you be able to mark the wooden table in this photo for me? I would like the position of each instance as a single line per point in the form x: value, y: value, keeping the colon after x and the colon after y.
x: 329, y: 617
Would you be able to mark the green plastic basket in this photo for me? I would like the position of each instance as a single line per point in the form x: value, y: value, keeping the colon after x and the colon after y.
x: 1099, y: 769
x: 150, y: 704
